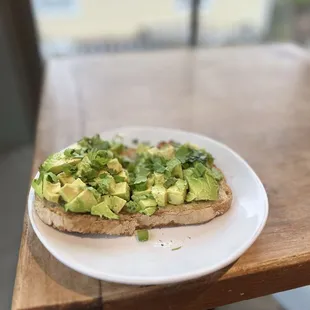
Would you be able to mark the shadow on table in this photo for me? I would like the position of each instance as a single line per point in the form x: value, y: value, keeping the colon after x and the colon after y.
x: 63, y: 276
x: 90, y: 287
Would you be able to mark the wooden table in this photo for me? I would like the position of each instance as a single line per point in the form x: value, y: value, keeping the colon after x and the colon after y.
x: 255, y: 99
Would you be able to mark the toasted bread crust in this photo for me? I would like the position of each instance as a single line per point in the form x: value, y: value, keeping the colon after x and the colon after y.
x: 185, y: 214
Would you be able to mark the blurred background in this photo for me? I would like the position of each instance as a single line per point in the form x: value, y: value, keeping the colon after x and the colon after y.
x: 32, y: 32
x: 70, y: 27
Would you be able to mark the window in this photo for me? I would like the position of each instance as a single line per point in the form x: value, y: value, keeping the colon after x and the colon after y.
x: 55, y: 8
x: 185, y: 5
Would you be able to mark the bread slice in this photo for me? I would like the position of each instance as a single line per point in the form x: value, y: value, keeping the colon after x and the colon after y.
x: 185, y: 214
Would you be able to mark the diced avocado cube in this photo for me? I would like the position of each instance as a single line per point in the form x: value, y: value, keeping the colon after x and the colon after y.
x: 149, y: 211
x: 200, y: 168
x: 56, y: 162
x: 78, y: 182
x: 142, y: 148
x: 51, y: 190
x: 65, y: 179
x: 143, y: 235
x: 215, y: 173
x: 82, y: 203
x: 102, y: 209
x: 159, y: 192
x: 69, y: 191
x: 115, y: 203
x: 122, y: 190
x: 188, y: 173
x: 150, y: 181
x: 96, y: 194
x: 153, y: 151
x: 140, y: 193
x: 177, y: 192
x: 147, y: 203
x: 205, y: 188
x: 124, y: 174
x: 166, y: 152
x: 148, y: 206
x: 159, y: 178
x: 115, y: 165
x: 190, y: 197
x: 175, y: 167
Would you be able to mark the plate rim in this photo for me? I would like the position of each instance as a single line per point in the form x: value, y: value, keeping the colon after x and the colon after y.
x: 163, y: 279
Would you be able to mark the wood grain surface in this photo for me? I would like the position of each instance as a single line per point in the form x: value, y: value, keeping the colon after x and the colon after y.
x: 255, y: 99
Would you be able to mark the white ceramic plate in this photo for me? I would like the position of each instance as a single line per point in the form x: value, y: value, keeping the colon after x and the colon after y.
x: 204, y: 248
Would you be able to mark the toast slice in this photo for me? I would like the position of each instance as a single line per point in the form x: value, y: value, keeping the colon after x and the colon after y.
x: 169, y: 216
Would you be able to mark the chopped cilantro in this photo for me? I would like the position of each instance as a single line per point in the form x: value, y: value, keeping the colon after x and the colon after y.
x: 68, y: 152
x: 183, y: 153
x: 94, y: 143
x: 69, y: 169
x: 51, y: 177
x: 132, y: 207
x: 98, y: 159
x: 175, y: 249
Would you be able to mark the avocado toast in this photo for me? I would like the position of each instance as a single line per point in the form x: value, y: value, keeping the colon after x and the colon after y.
x: 105, y: 187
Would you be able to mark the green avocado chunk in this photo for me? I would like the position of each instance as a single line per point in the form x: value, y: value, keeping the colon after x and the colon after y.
x: 175, y: 167
x: 37, y: 185
x: 115, y: 165
x: 115, y: 203
x: 166, y: 152
x: 69, y: 191
x: 159, y: 192
x: 65, y: 179
x: 143, y: 235
x: 150, y: 181
x: 136, y: 193
x: 177, y: 192
x: 142, y: 148
x: 122, y: 190
x: 124, y: 174
x: 148, y: 211
x: 147, y: 206
x: 51, y: 190
x: 205, y: 188
x: 82, y: 203
x: 147, y: 203
x: 103, y: 209
x: 57, y: 162
x: 159, y: 178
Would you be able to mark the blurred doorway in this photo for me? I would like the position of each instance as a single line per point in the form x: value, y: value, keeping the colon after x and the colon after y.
x: 21, y: 73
